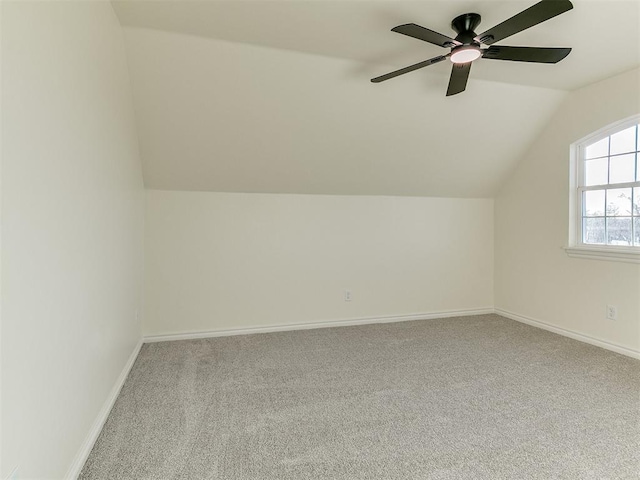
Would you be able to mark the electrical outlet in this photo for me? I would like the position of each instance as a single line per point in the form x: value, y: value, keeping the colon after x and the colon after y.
x: 612, y: 312
x: 347, y: 295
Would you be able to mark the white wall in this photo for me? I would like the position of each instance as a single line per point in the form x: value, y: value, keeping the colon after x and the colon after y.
x: 229, y: 260
x: 72, y: 227
x: 229, y: 117
x: 534, y: 276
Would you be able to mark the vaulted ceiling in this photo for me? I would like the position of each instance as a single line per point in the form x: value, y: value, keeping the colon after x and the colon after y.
x: 274, y: 96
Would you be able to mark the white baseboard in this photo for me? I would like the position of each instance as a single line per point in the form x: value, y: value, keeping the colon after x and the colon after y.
x: 311, y: 325
x: 391, y: 319
x: 570, y: 333
x: 96, y: 428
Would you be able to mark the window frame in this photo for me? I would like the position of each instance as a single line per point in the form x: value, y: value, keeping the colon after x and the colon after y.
x: 577, y: 247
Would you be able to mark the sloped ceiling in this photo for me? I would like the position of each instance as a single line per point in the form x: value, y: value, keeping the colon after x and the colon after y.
x: 274, y: 96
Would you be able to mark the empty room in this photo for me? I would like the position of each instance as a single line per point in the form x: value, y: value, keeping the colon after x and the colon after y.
x: 307, y: 239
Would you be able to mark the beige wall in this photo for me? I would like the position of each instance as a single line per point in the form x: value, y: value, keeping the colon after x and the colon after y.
x: 534, y: 277
x: 72, y: 216
x: 228, y: 260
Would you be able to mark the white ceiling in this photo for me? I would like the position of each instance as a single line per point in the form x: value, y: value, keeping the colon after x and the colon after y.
x: 217, y: 111
x: 360, y: 31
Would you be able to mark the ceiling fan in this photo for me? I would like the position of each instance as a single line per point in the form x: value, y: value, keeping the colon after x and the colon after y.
x: 465, y: 48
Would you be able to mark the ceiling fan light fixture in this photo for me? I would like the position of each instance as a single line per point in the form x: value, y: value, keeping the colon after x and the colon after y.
x: 465, y: 54
x: 466, y: 47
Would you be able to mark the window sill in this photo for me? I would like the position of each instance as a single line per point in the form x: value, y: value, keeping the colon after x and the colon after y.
x: 612, y: 254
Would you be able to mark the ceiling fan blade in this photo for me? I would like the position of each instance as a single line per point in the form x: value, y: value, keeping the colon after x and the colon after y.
x: 410, y: 68
x: 426, y: 35
x: 526, y: 54
x: 459, y: 77
x: 534, y: 15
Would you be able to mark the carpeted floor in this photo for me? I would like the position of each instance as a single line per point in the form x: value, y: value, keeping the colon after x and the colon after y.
x: 459, y: 398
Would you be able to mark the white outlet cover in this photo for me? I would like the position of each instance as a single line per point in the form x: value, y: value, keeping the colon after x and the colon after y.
x: 612, y: 312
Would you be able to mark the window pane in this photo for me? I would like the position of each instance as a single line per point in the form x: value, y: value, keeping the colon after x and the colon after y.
x: 636, y: 231
x: 593, y: 230
x: 593, y: 203
x: 618, y: 202
x: 622, y: 168
x: 598, y: 149
x: 636, y: 201
x: 619, y: 231
x: 595, y: 172
x: 624, y: 141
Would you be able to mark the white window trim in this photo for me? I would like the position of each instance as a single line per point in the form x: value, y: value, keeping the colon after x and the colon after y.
x: 576, y: 248
x: 604, y: 252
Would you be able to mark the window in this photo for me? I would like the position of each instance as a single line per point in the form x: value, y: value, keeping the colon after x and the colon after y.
x: 606, y: 192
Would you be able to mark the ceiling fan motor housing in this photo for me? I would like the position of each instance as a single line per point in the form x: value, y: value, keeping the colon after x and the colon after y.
x: 464, y: 25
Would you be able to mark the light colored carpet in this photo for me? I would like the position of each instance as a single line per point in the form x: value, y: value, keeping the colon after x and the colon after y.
x: 460, y: 398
